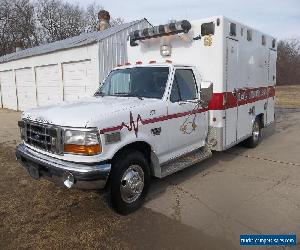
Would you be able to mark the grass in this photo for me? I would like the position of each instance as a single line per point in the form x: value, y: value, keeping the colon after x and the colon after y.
x: 288, y: 96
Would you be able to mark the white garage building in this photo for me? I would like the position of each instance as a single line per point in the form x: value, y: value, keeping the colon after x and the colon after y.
x: 64, y: 70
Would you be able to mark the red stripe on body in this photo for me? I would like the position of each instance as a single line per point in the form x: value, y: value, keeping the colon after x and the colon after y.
x: 219, y: 101
x: 134, y: 125
x: 271, y: 91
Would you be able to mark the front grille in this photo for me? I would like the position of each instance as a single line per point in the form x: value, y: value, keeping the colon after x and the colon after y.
x: 43, y: 136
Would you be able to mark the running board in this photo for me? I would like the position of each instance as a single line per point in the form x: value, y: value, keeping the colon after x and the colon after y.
x: 185, y: 161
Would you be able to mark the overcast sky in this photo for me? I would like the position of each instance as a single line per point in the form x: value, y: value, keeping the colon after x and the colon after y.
x: 280, y: 18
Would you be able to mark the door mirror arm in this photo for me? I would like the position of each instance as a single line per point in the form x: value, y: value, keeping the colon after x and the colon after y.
x: 206, y: 92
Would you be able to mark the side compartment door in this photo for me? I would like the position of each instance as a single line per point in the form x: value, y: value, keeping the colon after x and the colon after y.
x: 271, y: 84
x: 232, y: 79
x: 187, y: 120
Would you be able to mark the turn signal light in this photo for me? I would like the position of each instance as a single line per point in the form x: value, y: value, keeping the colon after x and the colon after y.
x: 82, y: 149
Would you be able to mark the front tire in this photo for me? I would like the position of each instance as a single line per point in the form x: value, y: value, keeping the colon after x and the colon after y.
x: 255, y: 138
x: 130, y: 180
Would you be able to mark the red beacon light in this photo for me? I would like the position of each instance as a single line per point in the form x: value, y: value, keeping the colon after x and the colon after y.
x: 139, y: 62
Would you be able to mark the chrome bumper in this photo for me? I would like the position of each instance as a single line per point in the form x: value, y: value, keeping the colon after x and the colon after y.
x: 86, y: 175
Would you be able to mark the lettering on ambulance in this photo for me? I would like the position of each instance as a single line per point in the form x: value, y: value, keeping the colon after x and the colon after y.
x: 243, y: 97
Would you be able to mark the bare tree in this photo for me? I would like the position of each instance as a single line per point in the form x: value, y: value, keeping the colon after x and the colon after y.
x: 17, y: 25
x: 59, y: 20
x: 33, y: 22
x: 288, y: 62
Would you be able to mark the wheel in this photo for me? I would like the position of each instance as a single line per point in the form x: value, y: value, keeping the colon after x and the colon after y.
x: 255, y: 138
x: 130, y: 180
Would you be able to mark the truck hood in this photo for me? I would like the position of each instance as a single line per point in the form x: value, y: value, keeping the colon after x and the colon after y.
x: 83, y: 113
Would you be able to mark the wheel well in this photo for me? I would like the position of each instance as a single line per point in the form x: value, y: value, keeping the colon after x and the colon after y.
x: 261, y: 118
x: 140, y: 146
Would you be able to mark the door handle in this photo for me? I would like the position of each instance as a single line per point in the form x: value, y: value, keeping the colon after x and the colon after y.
x: 235, y: 92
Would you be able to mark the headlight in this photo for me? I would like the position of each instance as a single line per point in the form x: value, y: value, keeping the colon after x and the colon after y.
x: 82, y: 142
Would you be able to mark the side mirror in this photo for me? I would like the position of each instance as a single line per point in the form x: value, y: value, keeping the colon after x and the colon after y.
x: 206, y: 92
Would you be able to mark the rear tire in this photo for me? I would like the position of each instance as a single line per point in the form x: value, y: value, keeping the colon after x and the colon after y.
x: 130, y: 180
x: 255, y: 138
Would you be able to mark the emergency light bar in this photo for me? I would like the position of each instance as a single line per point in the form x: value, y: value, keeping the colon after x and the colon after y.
x: 158, y: 31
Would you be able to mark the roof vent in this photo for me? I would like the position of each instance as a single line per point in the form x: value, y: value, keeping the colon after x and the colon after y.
x: 104, y: 18
x: 19, y: 46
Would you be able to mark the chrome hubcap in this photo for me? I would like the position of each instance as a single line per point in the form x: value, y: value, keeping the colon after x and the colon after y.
x: 132, y: 183
x: 256, y: 131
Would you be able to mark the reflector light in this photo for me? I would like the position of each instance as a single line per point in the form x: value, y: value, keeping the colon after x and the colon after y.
x: 82, y: 149
x: 165, y: 50
x: 158, y: 31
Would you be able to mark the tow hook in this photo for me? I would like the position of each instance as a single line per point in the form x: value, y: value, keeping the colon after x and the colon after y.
x: 68, y: 179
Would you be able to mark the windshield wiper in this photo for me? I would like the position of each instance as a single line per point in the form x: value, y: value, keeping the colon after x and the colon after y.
x: 128, y: 95
x: 99, y: 93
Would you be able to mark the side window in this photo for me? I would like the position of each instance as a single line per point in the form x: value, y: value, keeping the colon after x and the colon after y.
x: 184, y: 86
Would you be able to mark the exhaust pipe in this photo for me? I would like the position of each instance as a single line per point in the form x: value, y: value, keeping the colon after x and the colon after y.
x: 68, y: 180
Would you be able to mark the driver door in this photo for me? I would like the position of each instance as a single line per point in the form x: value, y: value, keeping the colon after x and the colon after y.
x: 188, y: 127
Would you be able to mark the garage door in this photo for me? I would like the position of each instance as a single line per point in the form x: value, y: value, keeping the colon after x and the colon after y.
x: 8, y: 90
x: 26, y: 88
x: 77, y: 78
x: 48, y: 85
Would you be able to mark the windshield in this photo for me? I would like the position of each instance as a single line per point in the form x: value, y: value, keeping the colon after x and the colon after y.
x: 148, y: 82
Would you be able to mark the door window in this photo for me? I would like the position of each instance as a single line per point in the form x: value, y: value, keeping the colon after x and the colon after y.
x: 184, y: 86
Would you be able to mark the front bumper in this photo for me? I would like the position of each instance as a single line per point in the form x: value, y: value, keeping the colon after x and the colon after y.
x: 85, y: 175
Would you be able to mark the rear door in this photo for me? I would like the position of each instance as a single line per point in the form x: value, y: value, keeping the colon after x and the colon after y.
x: 271, y: 84
x: 231, y: 92
x: 187, y: 123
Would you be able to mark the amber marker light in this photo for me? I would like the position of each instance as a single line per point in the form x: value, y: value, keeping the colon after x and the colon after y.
x: 82, y: 149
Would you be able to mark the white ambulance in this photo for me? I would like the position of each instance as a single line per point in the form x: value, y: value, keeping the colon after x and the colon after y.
x: 189, y: 88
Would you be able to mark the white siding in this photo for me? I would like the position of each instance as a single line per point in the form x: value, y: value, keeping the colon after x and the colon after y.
x: 8, y: 90
x: 77, y: 80
x: 113, y: 50
x: 48, y: 85
x: 65, y: 74
x: 26, y: 88
x: 47, y: 77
